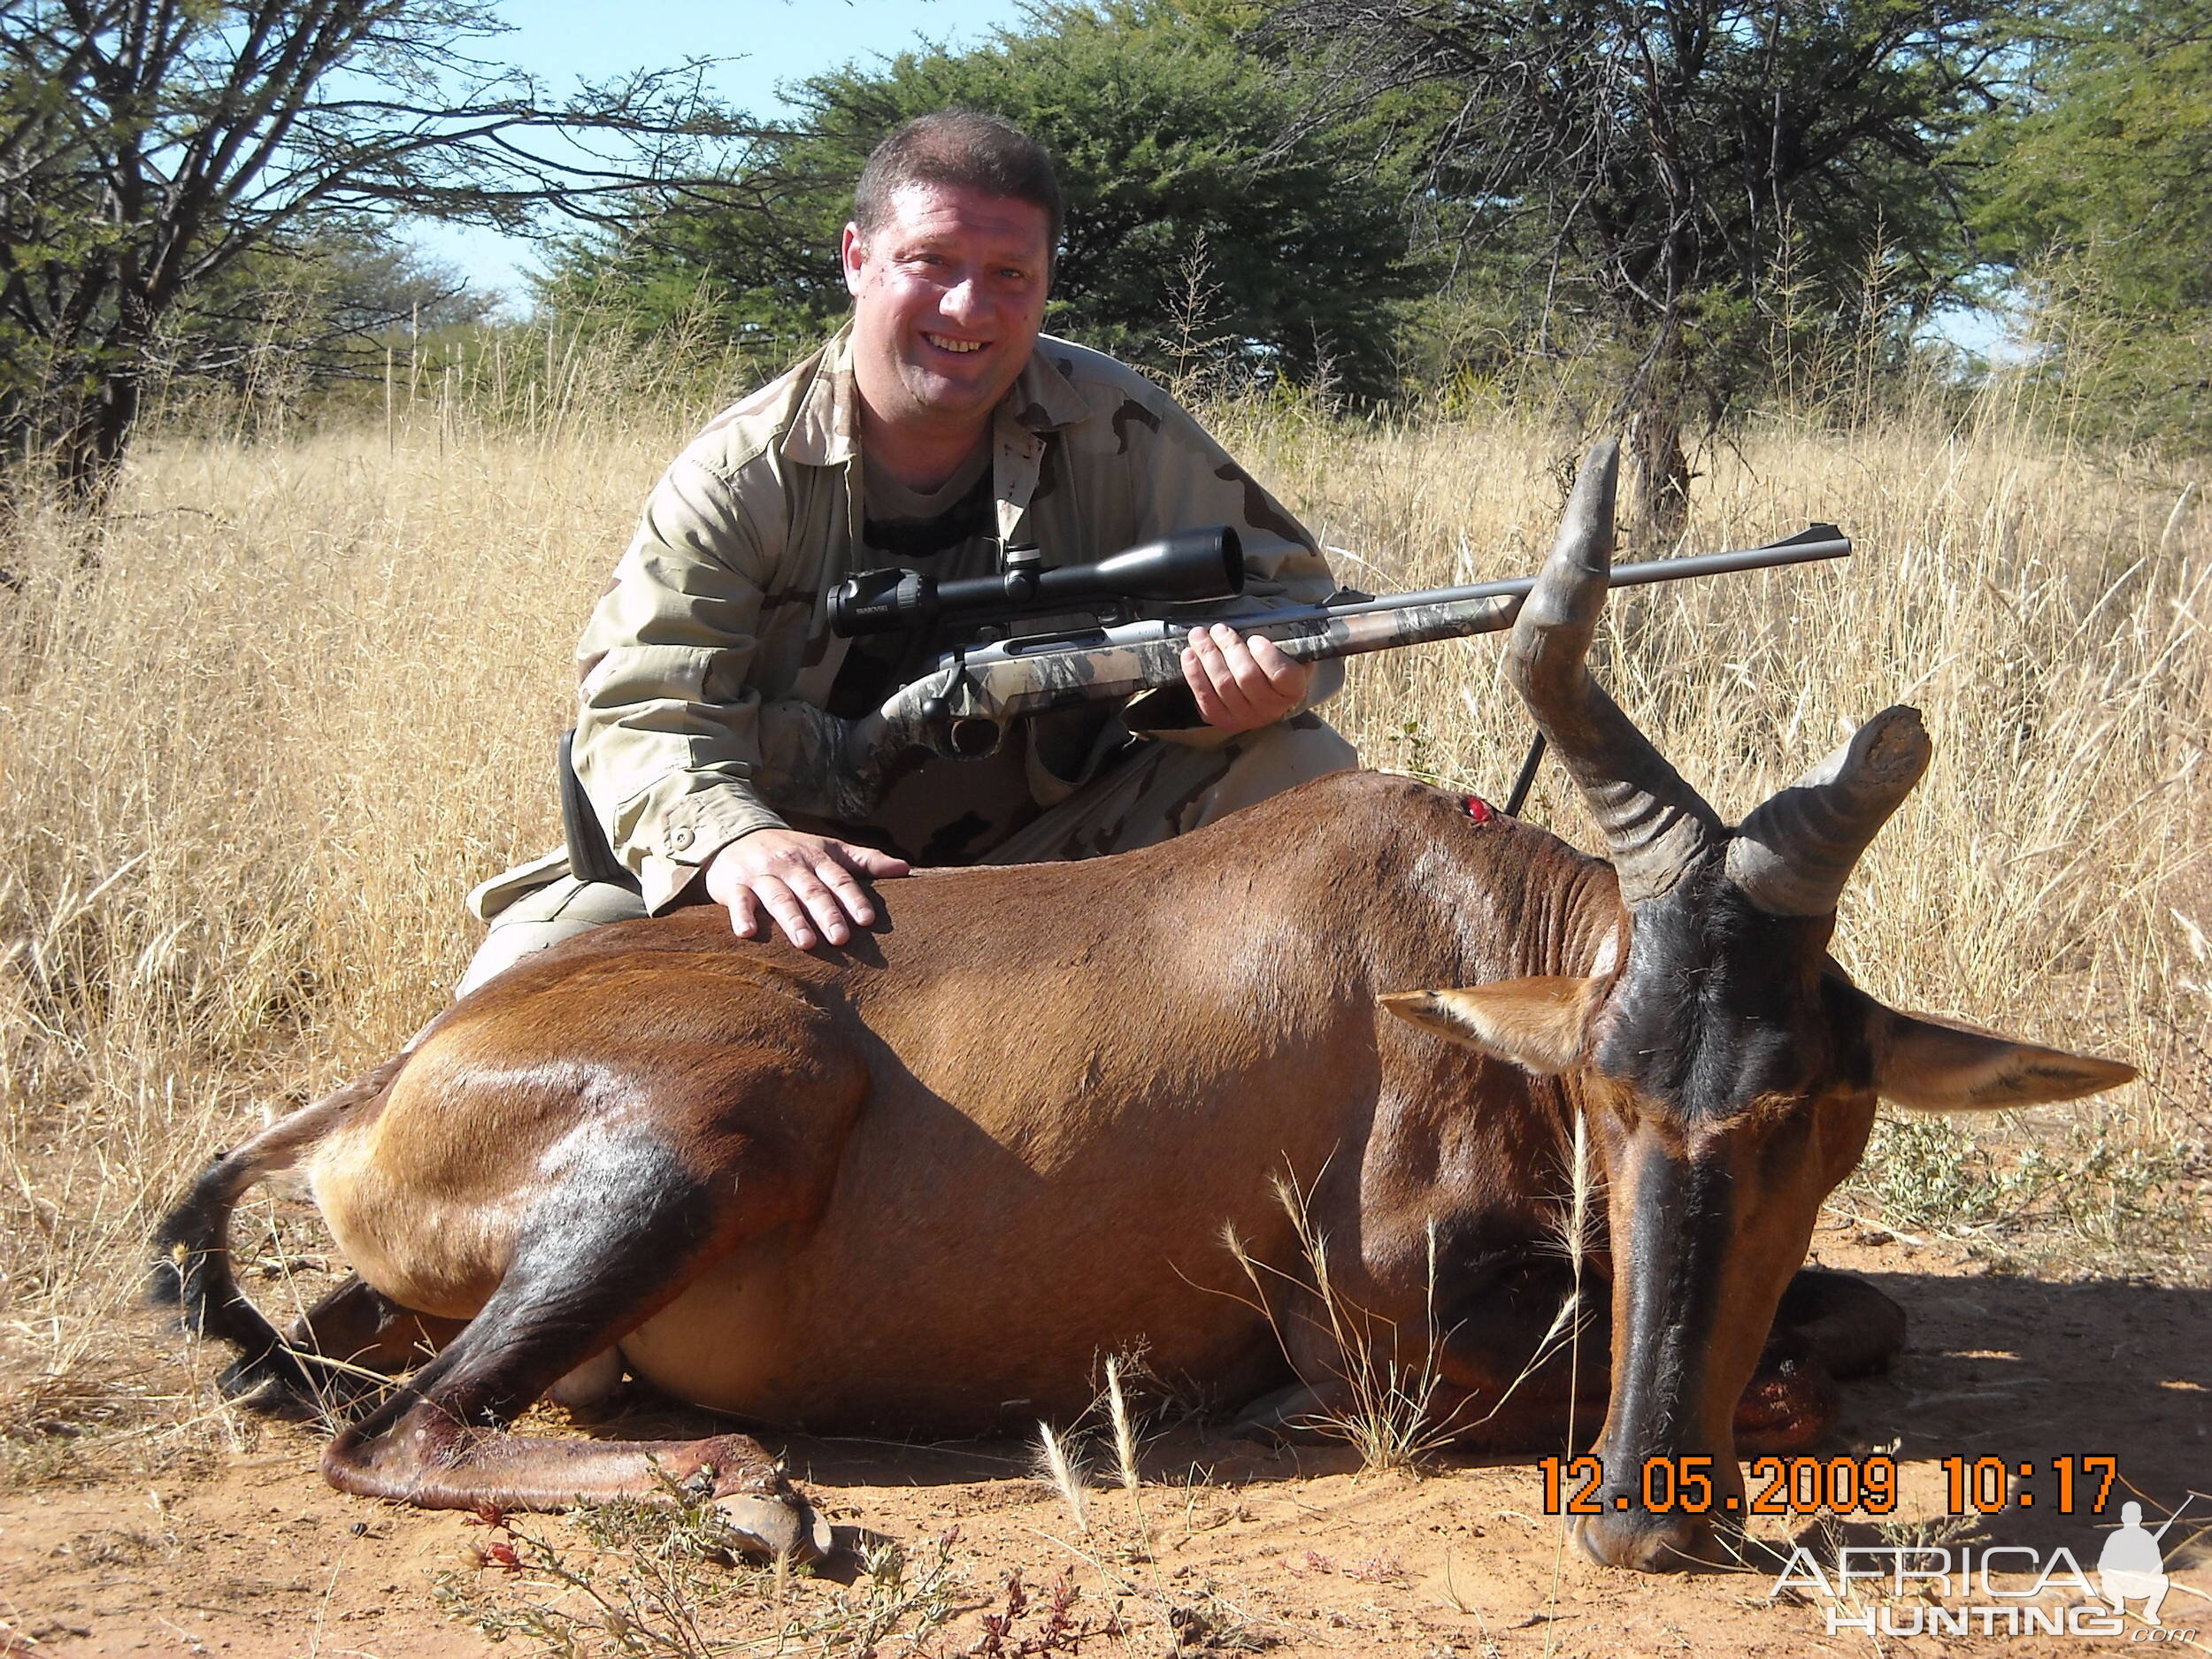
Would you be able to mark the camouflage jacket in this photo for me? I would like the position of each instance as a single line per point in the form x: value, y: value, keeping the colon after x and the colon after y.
x: 705, y: 661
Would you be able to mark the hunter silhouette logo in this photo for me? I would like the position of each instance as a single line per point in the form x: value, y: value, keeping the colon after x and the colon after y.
x: 2133, y: 1565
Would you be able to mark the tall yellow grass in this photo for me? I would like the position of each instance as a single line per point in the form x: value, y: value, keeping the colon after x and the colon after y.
x: 261, y: 729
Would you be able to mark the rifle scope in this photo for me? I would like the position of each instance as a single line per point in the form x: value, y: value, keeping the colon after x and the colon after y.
x: 1206, y: 564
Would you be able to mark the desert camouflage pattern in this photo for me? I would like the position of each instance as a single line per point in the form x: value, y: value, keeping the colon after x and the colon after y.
x: 706, y: 667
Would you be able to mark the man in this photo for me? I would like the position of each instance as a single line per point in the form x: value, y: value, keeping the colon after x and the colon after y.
x: 936, y: 427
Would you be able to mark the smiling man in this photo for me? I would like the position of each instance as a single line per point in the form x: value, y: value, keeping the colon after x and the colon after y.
x: 939, y: 427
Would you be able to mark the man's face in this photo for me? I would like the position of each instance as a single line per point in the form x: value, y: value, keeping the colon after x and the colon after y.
x: 947, y: 296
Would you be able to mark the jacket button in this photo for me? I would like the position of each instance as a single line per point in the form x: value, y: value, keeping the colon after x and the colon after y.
x: 679, y: 839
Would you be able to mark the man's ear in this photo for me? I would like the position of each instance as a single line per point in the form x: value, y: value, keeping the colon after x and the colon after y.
x: 852, y: 255
x: 1932, y: 1065
x: 1538, y: 1023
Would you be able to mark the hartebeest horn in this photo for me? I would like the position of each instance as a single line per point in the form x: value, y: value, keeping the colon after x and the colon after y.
x: 1654, y: 824
x: 1795, y: 851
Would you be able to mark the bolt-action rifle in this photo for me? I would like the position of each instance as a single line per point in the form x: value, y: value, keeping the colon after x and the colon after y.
x: 962, y: 705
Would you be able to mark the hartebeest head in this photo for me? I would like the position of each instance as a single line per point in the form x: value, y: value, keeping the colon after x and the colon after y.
x: 1728, y: 1068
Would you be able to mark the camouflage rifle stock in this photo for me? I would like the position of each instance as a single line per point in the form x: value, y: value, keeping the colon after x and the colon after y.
x: 964, y: 704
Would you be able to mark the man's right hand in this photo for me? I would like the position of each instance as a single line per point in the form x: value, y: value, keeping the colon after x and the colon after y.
x: 808, y: 884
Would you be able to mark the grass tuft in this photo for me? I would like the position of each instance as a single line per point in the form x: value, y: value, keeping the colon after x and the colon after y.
x: 1064, y: 1471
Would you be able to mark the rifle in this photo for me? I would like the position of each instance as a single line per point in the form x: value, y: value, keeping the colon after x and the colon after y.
x: 962, y: 705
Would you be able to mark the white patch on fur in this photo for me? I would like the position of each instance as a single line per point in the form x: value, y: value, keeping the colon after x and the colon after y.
x: 1609, y: 955
x: 591, y: 1384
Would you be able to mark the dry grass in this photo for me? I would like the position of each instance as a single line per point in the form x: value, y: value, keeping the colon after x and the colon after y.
x: 260, y: 731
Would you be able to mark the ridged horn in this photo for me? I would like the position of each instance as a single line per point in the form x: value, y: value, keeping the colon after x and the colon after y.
x: 1793, y: 854
x: 1655, y: 825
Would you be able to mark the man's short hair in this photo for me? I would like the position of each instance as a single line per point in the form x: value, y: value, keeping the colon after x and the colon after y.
x: 960, y: 147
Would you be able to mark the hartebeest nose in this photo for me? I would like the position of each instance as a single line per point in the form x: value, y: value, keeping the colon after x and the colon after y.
x: 1651, y: 1543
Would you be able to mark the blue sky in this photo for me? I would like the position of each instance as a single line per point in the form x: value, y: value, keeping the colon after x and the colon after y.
x: 770, y: 42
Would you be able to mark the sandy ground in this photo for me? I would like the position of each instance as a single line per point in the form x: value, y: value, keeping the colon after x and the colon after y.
x: 1228, y: 1548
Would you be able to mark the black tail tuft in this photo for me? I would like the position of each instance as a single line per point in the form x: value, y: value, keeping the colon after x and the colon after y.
x: 192, y: 1273
x: 192, y: 1265
x: 191, y: 1232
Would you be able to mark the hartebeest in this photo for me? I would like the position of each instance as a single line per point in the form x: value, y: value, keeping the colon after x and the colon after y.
x: 921, y: 1181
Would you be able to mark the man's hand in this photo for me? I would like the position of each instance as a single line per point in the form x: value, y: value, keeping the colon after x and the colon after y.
x: 804, y: 883
x: 1241, y: 684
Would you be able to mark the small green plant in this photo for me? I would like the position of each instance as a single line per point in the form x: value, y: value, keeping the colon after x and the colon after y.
x: 1413, y: 753
x: 1929, y: 1174
x: 663, y: 1580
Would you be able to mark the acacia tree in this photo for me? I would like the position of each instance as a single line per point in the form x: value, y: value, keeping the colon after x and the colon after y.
x: 1666, y: 158
x: 147, y: 148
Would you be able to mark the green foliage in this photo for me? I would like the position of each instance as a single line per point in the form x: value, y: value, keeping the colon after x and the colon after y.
x: 665, y: 1580
x: 2099, y: 192
x: 2110, y: 154
x: 1208, y: 223
x: 1624, y: 184
x: 2100, y: 1199
x: 152, y: 157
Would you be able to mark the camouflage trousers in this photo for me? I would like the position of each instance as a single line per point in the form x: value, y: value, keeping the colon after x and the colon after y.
x: 1161, y: 791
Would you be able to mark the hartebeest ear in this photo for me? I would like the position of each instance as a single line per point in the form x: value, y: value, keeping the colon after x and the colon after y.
x: 1931, y: 1065
x: 1537, y: 1023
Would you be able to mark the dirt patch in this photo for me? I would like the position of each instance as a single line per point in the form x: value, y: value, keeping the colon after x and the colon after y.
x: 151, y: 1539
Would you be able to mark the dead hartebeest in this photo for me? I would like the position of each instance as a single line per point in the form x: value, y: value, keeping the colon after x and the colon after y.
x: 922, y: 1181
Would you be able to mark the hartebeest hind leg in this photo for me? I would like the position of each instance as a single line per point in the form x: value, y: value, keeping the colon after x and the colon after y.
x: 369, y: 1339
x: 589, y: 1266
x: 608, y: 1242
x: 347, y: 1347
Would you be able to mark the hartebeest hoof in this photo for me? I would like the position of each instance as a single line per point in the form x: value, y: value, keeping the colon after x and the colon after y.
x: 1856, y: 1328
x: 785, y: 1525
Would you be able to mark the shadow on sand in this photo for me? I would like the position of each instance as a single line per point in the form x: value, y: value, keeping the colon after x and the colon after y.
x: 2022, y: 1370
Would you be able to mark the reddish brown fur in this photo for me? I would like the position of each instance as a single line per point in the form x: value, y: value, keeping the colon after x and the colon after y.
x: 1080, y: 1167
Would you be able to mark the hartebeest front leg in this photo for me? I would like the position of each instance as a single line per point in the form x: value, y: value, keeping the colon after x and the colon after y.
x: 1519, y: 1371
x: 1526, y: 1359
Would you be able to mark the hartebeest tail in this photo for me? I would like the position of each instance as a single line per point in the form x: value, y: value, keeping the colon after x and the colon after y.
x: 193, y: 1271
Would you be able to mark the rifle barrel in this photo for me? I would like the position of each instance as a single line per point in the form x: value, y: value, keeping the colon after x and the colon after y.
x: 1815, y: 542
